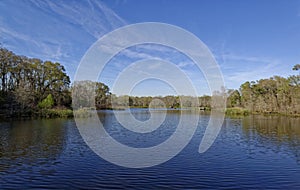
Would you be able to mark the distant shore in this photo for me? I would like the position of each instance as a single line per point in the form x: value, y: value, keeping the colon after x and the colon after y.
x: 85, y: 112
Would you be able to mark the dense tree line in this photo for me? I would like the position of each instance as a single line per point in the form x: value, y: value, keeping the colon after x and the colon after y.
x: 30, y: 84
x: 26, y: 82
x: 274, y: 95
x: 160, y: 101
x: 82, y: 92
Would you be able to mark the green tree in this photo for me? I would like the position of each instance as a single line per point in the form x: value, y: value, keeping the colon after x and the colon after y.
x: 102, y: 96
x: 296, y: 67
x: 47, y: 103
x: 25, y: 82
x: 205, y: 101
x: 234, y: 98
x: 246, y: 95
x: 82, y: 90
x: 295, y: 79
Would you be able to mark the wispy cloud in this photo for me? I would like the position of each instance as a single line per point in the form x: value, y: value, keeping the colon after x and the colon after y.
x: 240, y: 68
x: 230, y: 57
x: 55, y: 30
x: 255, y: 73
x: 92, y: 16
x: 184, y: 64
x: 133, y: 54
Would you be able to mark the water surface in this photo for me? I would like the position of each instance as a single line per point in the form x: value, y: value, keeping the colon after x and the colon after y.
x: 251, y: 152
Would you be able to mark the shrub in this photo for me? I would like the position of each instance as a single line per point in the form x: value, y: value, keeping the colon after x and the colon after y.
x: 237, y: 111
x: 47, y: 103
x: 54, y: 113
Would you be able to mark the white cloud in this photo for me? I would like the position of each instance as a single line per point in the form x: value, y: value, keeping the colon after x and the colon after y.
x: 93, y: 16
x: 234, y: 78
x: 185, y: 64
x: 138, y: 55
x: 55, y: 30
x: 246, y: 58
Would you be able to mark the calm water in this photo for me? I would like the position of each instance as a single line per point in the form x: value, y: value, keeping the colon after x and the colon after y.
x: 252, y: 152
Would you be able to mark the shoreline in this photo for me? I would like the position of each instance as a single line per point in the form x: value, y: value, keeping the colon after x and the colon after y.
x: 84, y: 112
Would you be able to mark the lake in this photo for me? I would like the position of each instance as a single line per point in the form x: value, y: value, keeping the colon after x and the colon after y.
x: 255, y: 152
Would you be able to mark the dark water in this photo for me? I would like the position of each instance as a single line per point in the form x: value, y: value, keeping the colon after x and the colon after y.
x: 254, y: 152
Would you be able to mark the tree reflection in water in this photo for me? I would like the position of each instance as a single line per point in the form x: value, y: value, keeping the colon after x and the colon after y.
x: 274, y: 133
x: 32, y: 142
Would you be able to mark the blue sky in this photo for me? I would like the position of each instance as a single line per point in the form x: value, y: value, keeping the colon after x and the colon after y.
x: 249, y: 39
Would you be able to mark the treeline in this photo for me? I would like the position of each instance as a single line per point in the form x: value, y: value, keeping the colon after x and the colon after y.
x: 30, y: 85
x: 33, y: 87
x: 104, y: 99
x: 82, y: 95
x: 274, y: 95
x: 160, y: 101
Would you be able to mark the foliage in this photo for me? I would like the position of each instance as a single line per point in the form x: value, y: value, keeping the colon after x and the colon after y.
x: 234, y: 98
x: 54, y: 113
x: 83, y: 90
x: 47, y: 103
x: 273, y: 95
x: 25, y: 82
x: 296, y: 67
x: 237, y: 111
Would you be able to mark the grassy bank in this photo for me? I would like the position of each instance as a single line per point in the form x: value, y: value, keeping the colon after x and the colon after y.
x: 83, y: 112
x: 277, y: 113
x: 54, y: 113
x: 236, y: 111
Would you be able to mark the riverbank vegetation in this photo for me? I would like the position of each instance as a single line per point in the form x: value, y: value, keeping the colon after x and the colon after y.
x: 30, y: 87
x: 26, y: 83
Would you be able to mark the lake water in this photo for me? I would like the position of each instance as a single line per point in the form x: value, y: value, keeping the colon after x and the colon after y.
x: 251, y: 152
